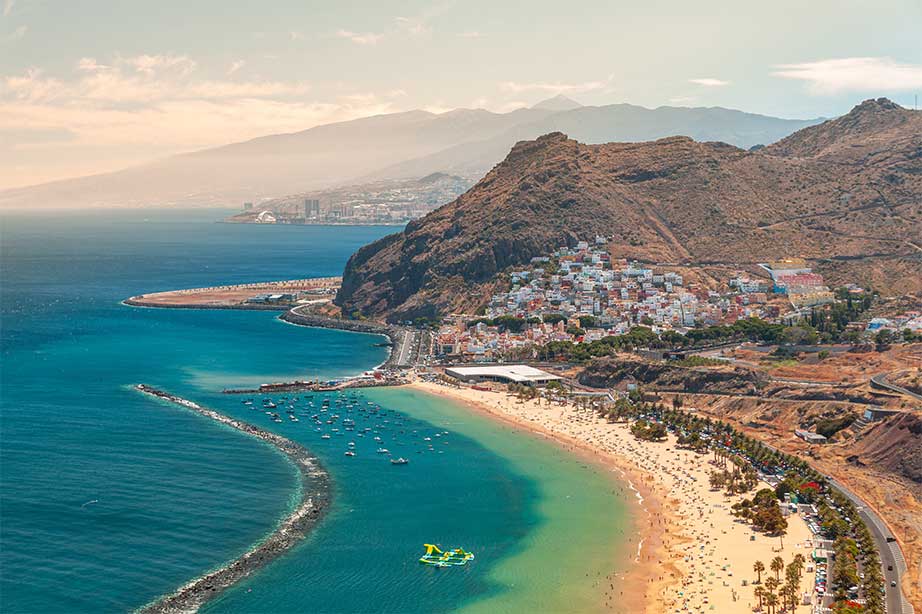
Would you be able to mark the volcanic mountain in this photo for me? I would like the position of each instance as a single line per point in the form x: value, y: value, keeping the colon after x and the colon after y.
x: 845, y: 194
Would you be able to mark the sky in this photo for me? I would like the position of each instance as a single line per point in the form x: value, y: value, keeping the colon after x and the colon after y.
x: 94, y: 86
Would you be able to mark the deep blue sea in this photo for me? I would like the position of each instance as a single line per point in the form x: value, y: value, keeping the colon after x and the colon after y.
x: 109, y: 499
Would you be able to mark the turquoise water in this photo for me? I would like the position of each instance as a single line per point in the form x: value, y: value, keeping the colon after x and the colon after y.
x: 110, y: 499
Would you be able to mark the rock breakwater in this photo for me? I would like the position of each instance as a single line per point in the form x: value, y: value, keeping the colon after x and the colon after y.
x: 313, y: 503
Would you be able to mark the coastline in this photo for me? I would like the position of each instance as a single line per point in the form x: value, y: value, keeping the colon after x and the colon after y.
x: 651, y: 517
x: 659, y: 565
x: 692, y: 554
x: 315, y: 487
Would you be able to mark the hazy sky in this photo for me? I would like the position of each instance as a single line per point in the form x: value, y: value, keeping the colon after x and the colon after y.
x: 89, y: 86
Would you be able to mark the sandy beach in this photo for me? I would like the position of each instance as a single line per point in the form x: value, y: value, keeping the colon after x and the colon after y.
x: 692, y: 554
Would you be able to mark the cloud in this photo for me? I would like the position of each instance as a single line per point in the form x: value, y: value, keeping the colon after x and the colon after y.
x: 140, y: 79
x: 8, y: 7
x: 90, y: 65
x: 31, y: 86
x: 552, y: 88
x: 867, y: 74
x: 158, y: 102
x: 683, y: 100
x: 15, y: 35
x: 709, y: 82
x: 414, y: 26
x: 235, y: 66
x: 360, y: 38
x: 151, y: 64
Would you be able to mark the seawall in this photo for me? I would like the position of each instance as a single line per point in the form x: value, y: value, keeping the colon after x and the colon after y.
x: 315, y: 499
x: 397, y: 336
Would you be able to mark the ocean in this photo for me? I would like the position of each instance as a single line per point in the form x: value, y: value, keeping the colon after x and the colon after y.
x: 109, y: 499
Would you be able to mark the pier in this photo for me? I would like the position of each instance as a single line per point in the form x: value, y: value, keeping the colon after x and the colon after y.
x: 381, y: 379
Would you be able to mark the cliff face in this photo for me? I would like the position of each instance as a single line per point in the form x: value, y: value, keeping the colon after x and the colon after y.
x: 846, y: 193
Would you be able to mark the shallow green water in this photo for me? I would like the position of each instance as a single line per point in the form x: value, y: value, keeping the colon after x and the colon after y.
x: 580, y: 514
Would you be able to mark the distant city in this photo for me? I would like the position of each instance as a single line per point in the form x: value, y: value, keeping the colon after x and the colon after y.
x: 380, y: 203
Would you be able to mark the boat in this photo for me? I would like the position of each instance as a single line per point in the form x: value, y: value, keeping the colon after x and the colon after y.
x: 325, y: 436
x: 350, y: 453
x: 399, y: 461
x: 383, y: 451
x: 453, y: 558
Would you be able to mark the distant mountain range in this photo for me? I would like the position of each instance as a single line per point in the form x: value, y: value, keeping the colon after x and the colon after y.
x: 413, y: 144
x: 845, y: 194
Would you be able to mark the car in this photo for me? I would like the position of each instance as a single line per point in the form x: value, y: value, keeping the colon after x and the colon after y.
x: 889, y: 567
x: 893, y: 583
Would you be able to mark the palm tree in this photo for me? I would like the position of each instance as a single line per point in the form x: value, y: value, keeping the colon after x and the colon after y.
x: 771, y: 584
x: 777, y: 565
x: 759, y: 567
x: 771, y: 601
x: 790, y: 594
x: 799, y: 562
x: 760, y: 592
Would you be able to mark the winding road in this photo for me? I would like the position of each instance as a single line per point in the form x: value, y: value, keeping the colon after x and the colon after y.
x: 880, y: 381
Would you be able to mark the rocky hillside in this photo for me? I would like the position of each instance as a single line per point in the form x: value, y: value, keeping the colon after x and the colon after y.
x: 895, y: 445
x: 846, y: 194
x: 613, y: 372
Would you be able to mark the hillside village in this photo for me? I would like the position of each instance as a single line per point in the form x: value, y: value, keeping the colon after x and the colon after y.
x: 581, y: 295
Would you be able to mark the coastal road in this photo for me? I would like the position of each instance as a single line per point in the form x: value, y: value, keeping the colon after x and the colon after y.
x: 894, y: 565
x: 891, y: 557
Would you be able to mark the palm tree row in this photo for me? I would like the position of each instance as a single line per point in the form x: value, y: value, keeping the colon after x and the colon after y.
x: 787, y: 591
x: 838, y: 514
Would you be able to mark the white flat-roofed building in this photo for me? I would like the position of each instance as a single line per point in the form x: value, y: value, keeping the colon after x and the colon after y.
x: 519, y: 374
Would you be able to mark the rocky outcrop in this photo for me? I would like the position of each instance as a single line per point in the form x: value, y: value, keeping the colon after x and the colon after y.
x: 845, y: 194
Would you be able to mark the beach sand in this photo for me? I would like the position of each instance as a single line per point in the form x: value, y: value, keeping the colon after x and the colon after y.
x: 693, y: 555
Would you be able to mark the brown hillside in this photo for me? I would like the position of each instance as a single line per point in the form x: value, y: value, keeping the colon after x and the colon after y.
x: 846, y: 194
